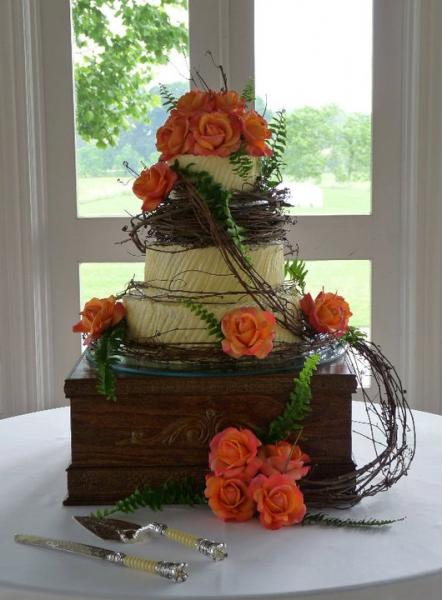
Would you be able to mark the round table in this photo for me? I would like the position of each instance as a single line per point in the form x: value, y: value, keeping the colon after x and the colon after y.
x: 403, y: 561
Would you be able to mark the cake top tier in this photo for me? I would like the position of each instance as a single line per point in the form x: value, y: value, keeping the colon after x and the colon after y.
x: 216, y: 181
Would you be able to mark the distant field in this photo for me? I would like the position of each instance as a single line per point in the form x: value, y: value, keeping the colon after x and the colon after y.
x: 106, y: 197
x: 350, y: 278
x: 340, y: 199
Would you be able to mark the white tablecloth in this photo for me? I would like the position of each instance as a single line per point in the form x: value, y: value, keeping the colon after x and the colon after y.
x: 401, y: 562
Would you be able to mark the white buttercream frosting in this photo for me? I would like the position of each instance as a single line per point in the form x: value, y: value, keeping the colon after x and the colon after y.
x: 204, y: 269
x: 173, y: 322
x: 221, y: 170
x: 173, y: 273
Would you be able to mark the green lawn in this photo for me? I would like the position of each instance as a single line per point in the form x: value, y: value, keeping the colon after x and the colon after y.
x: 106, y: 197
x: 350, y: 278
x: 104, y: 279
x: 340, y: 199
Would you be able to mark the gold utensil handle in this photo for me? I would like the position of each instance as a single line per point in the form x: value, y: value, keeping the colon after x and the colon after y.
x: 183, y: 538
x: 175, y: 571
x: 214, y: 550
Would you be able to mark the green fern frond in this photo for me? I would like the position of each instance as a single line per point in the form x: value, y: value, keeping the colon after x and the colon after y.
x: 296, y: 271
x: 298, y: 405
x: 104, y: 356
x: 168, y: 99
x: 328, y: 521
x: 241, y: 163
x: 353, y: 336
x: 248, y: 92
x: 213, y: 325
x: 272, y: 165
x: 171, y: 492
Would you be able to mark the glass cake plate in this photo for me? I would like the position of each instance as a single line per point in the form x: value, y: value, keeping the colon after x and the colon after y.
x: 132, y: 366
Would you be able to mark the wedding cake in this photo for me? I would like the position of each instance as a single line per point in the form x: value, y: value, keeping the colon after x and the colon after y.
x: 220, y: 304
x: 227, y: 143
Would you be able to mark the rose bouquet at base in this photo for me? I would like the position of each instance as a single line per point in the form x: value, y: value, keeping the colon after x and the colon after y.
x: 248, y: 478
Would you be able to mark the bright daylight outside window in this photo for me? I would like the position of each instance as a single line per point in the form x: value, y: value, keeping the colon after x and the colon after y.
x: 324, y: 84
x: 122, y: 51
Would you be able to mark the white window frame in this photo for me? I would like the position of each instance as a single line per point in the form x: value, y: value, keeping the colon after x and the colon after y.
x: 44, y: 241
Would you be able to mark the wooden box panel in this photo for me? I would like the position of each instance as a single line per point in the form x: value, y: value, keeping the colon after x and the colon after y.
x: 160, y: 427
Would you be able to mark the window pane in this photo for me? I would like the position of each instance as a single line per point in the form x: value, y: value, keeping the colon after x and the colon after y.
x: 121, y: 53
x: 314, y: 59
x: 350, y: 279
x: 106, y: 279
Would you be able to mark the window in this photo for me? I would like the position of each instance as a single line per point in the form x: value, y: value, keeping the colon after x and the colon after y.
x: 357, y: 219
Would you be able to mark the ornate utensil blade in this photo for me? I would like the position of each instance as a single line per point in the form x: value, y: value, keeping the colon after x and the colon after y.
x: 109, y: 529
x: 72, y: 547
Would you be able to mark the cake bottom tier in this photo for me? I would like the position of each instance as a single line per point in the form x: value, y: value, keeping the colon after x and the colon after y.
x: 172, y: 322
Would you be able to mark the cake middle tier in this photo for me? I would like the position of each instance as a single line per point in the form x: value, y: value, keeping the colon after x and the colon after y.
x: 200, y: 271
x: 174, y: 274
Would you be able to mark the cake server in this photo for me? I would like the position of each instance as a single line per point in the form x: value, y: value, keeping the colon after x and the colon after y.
x: 129, y: 533
x: 176, y: 571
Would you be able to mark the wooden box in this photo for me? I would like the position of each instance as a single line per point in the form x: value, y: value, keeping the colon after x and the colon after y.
x: 160, y: 427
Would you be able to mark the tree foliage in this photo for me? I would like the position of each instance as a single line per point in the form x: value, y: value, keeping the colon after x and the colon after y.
x: 328, y: 140
x: 353, y: 149
x: 310, y: 136
x: 118, y: 43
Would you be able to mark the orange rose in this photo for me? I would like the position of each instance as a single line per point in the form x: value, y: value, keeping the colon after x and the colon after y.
x: 233, y: 454
x: 98, y: 315
x: 284, y: 458
x: 153, y: 185
x: 279, y: 501
x: 195, y: 101
x: 215, y: 134
x: 174, y: 137
x: 229, y: 101
x: 255, y: 131
x: 229, y: 499
x: 328, y: 313
x: 248, y: 331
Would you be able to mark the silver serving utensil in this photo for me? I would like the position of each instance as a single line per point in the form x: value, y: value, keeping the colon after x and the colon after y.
x: 130, y: 533
x: 175, y: 571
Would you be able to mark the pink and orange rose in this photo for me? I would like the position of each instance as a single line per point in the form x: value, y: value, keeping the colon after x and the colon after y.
x: 284, y: 458
x: 233, y: 453
x: 153, y: 185
x: 215, y: 134
x: 327, y: 313
x: 279, y: 501
x: 98, y: 315
x: 247, y: 477
x: 229, y: 499
x: 174, y: 137
x: 229, y: 102
x: 248, y: 331
x: 256, y: 131
x: 209, y: 123
x: 196, y: 101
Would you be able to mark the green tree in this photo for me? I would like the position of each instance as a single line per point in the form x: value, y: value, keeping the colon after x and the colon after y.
x: 352, y: 151
x: 311, y: 134
x: 118, y: 43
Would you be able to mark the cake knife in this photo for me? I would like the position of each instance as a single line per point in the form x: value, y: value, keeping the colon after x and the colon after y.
x: 129, y: 533
x: 176, y: 571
